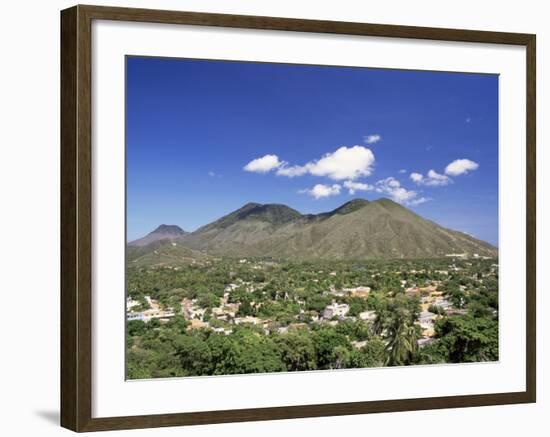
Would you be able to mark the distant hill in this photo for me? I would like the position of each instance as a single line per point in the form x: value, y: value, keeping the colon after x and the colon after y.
x: 358, y: 229
x: 163, y: 232
x: 162, y: 253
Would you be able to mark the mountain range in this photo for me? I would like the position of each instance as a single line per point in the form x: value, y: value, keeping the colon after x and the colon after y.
x: 163, y: 232
x: 359, y: 229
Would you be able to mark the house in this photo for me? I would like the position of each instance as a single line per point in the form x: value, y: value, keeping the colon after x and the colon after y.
x: 135, y: 316
x: 358, y: 291
x: 131, y: 303
x: 197, y: 324
x: 335, y: 310
x: 426, y: 321
x: 196, y: 313
x: 426, y: 318
x: 190, y: 310
x: 154, y: 313
x: 337, y: 293
x: 247, y: 319
x: 368, y: 316
x: 295, y: 326
x: 442, y: 302
x: 223, y: 312
x: 361, y: 293
x: 225, y: 331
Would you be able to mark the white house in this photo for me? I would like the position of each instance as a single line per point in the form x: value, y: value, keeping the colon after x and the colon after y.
x: 335, y: 310
x: 368, y: 316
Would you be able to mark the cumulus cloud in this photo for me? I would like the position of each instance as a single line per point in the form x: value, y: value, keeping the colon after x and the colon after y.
x: 416, y: 177
x: 264, y: 164
x: 344, y: 163
x: 357, y: 186
x: 392, y: 187
x: 371, y: 139
x: 402, y: 171
x: 436, y: 179
x: 461, y: 166
x: 292, y: 171
x: 432, y: 179
x: 320, y: 190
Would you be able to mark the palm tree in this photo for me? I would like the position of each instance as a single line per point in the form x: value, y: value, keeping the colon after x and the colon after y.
x: 402, y: 340
x: 379, y: 322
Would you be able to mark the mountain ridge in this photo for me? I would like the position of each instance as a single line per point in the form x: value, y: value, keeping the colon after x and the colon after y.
x: 358, y: 229
x: 162, y: 232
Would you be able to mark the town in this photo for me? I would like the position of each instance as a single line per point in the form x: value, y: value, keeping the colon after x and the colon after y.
x: 309, y: 315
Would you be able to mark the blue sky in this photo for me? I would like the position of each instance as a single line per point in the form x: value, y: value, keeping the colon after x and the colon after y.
x: 205, y: 137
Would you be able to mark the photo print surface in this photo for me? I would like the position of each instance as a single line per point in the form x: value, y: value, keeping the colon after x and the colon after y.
x: 286, y: 218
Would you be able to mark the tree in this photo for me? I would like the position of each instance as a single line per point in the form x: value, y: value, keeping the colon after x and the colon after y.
x: 402, y: 340
x: 326, y: 340
x: 138, y: 364
x: 357, y: 305
x: 208, y: 300
x: 455, y: 295
x: 468, y: 339
x: 433, y: 353
x: 245, y: 352
x: 136, y: 327
x: 436, y: 309
x: 356, y: 330
x: 179, y: 324
x: 194, y: 355
x: 317, y: 302
x: 374, y: 353
x: 340, y: 357
x: 297, y: 351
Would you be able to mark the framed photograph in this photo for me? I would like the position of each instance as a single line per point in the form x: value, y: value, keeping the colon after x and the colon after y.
x: 269, y: 218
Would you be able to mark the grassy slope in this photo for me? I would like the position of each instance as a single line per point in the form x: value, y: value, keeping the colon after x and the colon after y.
x: 379, y: 229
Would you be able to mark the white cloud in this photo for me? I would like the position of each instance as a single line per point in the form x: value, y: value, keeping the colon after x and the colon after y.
x: 371, y: 139
x: 357, y: 186
x: 419, y: 201
x: 402, y: 171
x: 392, y: 187
x: 320, y: 190
x: 295, y: 170
x: 344, y: 163
x: 461, y: 166
x: 211, y: 174
x: 264, y: 164
x: 433, y: 179
x: 416, y: 177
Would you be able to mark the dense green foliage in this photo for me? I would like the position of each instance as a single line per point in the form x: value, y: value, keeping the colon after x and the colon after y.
x: 289, y: 297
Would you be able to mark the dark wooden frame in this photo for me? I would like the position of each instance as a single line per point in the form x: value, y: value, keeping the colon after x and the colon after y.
x: 76, y: 255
